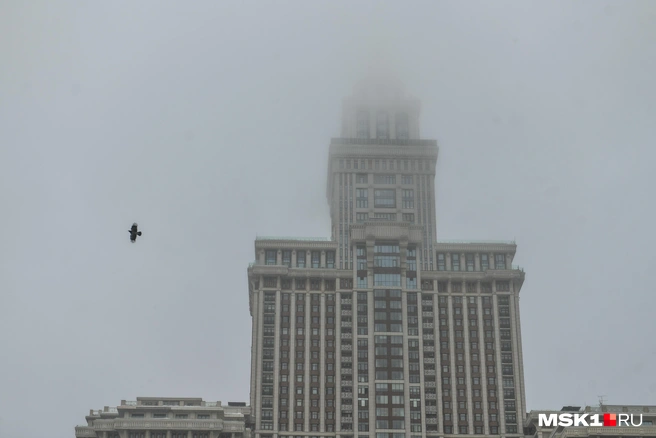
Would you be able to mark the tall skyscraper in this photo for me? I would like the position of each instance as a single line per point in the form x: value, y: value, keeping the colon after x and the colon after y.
x: 383, y: 330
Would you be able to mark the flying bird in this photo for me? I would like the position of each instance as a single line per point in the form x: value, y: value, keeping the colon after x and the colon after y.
x: 134, y: 233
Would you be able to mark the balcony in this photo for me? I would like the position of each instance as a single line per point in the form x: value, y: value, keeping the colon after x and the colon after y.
x: 430, y: 385
x: 348, y: 408
x: 176, y: 425
x: 431, y: 396
x: 347, y: 419
x: 347, y: 312
x: 429, y: 348
x: 347, y: 335
x: 428, y: 325
x: 429, y: 360
x: 347, y: 395
x: 347, y: 301
x: 429, y: 372
x: 427, y: 314
x: 347, y: 324
x: 646, y: 431
x: 347, y: 347
x: 266, y: 269
x: 431, y: 420
x: 347, y: 370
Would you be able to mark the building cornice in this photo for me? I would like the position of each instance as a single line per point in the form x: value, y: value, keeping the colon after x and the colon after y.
x: 295, y: 244
x: 261, y: 269
x: 382, y: 142
x: 475, y: 246
x: 385, y: 151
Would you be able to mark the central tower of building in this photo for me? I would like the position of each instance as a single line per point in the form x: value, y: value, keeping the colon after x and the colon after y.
x: 382, y: 330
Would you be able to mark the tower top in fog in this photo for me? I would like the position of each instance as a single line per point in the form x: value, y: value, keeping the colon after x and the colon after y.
x: 379, y: 108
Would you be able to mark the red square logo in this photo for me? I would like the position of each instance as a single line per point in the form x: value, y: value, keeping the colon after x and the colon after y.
x: 610, y: 420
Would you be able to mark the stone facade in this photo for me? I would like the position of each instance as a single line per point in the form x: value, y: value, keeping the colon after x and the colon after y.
x: 647, y: 428
x: 156, y: 417
x: 382, y: 329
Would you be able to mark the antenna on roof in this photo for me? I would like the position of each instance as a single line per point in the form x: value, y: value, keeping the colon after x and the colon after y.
x: 601, y: 400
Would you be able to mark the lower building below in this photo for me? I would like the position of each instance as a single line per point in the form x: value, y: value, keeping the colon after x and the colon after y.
x: 166, y: 417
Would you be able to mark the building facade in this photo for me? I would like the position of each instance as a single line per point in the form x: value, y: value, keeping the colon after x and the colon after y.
x: 157, y: 417
x: 383, y: 330
x: 644, y: 416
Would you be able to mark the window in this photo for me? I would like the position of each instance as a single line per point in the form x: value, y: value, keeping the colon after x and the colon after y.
x: 300, y: 260
x: 361, y: 217
x: 441, y: 262
x: 385, y: 198
x: 361, y: 198
x: 385, y: 179
x: 330, y: 259
x: 499, y: 261
x: 409, y: 217
x: 385, y: 216
x: 469, y: 258
x: 387, y: 261
x: 287, y: 258
x: 362, y: 178
x: 407, y: 179
x: 387, y: 280
x: 271, y: 257
x: 485, y: 263
x: 386, y: 248
x: 455, y: 262
x: 411, y: 283
x: 408, y: 198
x: 382, y: 125
x: 402, y: 129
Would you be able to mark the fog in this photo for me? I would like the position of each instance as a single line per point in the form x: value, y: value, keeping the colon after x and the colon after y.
x: 208, y: 123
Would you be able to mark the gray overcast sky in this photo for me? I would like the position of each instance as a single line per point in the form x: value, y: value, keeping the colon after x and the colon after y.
x: 208, y: 122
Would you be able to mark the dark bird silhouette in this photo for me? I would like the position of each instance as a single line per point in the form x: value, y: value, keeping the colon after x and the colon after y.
x: 134, y: 233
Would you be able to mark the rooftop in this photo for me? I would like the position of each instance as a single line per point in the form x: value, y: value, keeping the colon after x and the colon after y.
x: 469, y: 241
x: 303, y: 239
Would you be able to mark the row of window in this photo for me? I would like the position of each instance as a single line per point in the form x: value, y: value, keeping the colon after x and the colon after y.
x: 453, y: 263
x: 392, y: 217
x: 156, y: 434
x: 385, y: 198
x: 382, y: 125
x: 165, y: 415
x: 361, y: 307
x: 469, y: 262
x: 384, y: 280
x: 378, y: 164
x: 271, y: 258
x: 363, y: 178
x: 462, y: 430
